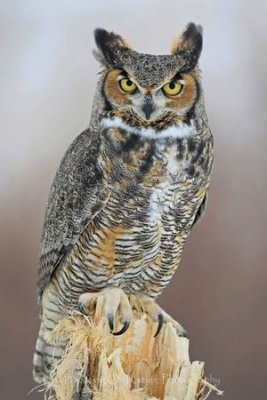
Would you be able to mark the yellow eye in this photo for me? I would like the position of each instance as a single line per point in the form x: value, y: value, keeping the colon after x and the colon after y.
x: 127, y: 85
x: 172, y: 88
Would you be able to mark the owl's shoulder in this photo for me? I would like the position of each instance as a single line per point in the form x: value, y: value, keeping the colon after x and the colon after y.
x: 84, y: 147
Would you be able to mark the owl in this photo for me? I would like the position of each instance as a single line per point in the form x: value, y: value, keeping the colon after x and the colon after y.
x: 128, y: 191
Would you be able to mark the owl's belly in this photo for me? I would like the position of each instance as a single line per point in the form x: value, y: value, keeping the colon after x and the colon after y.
x: 136, y: 247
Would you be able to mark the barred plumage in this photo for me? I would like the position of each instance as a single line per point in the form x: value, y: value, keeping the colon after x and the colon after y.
x: 129, y: 188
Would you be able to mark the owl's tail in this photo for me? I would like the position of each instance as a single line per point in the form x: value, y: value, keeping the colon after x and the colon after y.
x: 46, y: 355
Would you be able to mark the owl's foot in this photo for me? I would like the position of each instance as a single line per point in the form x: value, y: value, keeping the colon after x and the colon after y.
x: 115, y: 303
x: 156, y: 313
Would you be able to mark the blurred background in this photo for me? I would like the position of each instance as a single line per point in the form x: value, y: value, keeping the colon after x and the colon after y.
x: 47, y: 80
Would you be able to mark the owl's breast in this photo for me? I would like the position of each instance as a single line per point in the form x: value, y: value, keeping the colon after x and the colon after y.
x: 153, y: 162
x: 135, y: 241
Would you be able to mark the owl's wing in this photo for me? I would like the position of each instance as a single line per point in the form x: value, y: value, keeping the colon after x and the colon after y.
x: 201, y: 210
x: 76, y: 195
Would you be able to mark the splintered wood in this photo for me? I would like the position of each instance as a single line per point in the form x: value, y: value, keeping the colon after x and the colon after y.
x: 135, y: 365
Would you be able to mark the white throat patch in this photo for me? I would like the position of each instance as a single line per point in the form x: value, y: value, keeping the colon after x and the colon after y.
x: 176, y: 131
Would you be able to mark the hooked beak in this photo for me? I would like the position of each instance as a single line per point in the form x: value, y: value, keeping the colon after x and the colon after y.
x: 148, y: 106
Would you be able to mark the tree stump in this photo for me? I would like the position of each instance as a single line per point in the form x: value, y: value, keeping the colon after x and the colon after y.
x: 135, y: 365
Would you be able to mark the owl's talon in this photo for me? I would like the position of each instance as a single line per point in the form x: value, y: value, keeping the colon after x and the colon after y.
x: 81, y: 308
x: 123, y: 329
x: 111, y: 322
x: 182, y: 332
x: 160, y: 324
x: 155, y: 312
x: 115, y: 305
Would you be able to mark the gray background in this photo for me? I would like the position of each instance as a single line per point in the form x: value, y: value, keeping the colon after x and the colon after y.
x: 47, y: 79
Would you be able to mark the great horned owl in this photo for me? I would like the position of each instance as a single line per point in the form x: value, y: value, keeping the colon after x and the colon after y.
x: 129, y: 188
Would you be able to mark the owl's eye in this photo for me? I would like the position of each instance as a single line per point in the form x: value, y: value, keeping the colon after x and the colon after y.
x: 172, y: 88
x: 127, y: 85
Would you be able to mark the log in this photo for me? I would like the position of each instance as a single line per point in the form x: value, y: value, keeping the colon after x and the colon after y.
x: 135, y: 365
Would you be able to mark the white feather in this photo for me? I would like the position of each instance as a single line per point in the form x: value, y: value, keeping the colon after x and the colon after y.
x: 176, y: 131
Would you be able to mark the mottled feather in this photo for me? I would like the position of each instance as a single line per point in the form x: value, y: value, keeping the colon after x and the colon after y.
x: 73, y: 199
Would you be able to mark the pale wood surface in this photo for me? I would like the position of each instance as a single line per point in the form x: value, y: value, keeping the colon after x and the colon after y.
x: 132, y: 366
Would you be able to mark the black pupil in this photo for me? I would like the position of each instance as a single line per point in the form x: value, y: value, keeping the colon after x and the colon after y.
x: 172, y: 85
x: 129, y: 83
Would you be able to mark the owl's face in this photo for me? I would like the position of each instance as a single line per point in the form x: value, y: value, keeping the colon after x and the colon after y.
x: 174, y: 93
x: 150, y: 88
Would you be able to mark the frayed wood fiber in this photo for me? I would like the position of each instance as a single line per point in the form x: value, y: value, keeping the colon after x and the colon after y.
x: 135, y: 365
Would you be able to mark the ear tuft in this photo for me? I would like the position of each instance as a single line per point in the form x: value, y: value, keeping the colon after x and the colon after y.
x: 105, y: 39
x: 189, y: 42
x: 107, y: 44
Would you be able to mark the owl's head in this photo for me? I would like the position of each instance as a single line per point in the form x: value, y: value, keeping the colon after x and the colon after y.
x: 145, y: 89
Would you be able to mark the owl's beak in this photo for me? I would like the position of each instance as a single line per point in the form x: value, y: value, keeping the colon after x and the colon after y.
x: 148, y: 106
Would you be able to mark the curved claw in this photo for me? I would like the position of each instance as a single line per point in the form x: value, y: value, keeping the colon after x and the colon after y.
x: 111, y: 322
x: 183, y: 334
x: 123, y: 329
x: 81, y: 308
x: 160, y: 320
